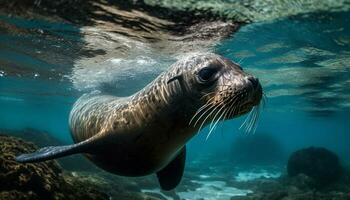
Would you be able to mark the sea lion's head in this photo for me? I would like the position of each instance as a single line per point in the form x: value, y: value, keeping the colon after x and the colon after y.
x: 220, y: 88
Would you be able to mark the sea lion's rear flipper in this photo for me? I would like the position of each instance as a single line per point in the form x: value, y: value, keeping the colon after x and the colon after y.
x: 48, y: 153
x: 170, y: 176
x: 52, y: 152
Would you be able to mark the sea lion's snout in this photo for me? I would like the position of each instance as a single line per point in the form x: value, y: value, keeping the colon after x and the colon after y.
x: 255, y: 90
x: 254, y: 82
x: 239, y: 92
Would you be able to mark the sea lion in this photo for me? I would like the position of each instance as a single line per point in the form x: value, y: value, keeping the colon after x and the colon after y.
x: 147, y: 132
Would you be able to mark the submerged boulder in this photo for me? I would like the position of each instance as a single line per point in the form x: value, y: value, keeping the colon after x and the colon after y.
x: 320, y: 164
x: 47, y: 180
x: 43, y: 138
x: 35, y: 181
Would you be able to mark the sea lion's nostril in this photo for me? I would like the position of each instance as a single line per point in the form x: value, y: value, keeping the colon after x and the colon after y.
x: 254, y: 81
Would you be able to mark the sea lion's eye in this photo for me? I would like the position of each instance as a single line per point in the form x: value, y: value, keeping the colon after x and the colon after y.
x: 207, y: 74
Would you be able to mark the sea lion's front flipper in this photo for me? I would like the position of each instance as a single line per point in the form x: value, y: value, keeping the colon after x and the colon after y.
x: 52, y: 152
x: 170, y: 176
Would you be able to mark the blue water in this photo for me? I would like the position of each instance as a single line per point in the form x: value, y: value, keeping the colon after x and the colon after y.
x: 301, y: 61
x: 303, y: 64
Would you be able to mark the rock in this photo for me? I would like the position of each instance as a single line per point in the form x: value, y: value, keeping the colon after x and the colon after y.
x: 294, y: 188
x: 302, y: 186
x: 47, y: 180
x: 320, y: 164
x: 35, y: 181
x: 117, y: 187
x: 42, y: 139
x: 300, y: 181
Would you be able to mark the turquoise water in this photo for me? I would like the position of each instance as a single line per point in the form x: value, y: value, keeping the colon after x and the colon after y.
x: 302, y: 63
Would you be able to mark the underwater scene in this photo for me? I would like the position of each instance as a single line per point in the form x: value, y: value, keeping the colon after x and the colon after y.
x: 183, y: 99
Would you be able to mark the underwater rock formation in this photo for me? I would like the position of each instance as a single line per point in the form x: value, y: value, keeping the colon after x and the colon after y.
x: 117, y: 187
x: 295, y: 188
x: 313, y: 173
x: 42, y: 139
x: 257, y: 149
x: 47, y: 180
x: 35, y: 181
x: 319, y: 164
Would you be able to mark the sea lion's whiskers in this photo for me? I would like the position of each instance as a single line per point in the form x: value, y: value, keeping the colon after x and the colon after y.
x: 212, y: 128
x: 245, y: 121
x: 218, y: 106
x: 213, y: 105
x: 221, y: 124
x: 257, y: 119
x: 228, y: 110
x: 223, y: 106
x: 227, y: 115
x: 214, y: 109
x: 208, y: 103
x: 252, y: 121
x: 207, y: 95
x: 231, y: 102
x: 200, y: 109
x: 223, y: 114
x: 233, y: 107
x: 222, y: 103
x: 212, y: 123
x: 224, y: 85
x: 259, y: 113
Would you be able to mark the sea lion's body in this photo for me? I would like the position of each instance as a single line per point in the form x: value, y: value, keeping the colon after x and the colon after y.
x: 148, y: 128
x: 146, y: 133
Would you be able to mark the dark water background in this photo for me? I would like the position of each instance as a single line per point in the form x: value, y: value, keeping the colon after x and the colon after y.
x: 302, y: 62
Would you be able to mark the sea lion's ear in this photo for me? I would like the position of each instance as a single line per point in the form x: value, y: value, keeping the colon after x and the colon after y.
x: 178, y: 77
x: 170, y: 176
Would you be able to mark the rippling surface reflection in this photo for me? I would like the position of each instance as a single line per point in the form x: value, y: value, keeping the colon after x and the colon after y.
x: 303, y: 58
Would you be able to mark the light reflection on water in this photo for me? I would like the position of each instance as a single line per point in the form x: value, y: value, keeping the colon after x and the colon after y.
x: 300, y: 58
